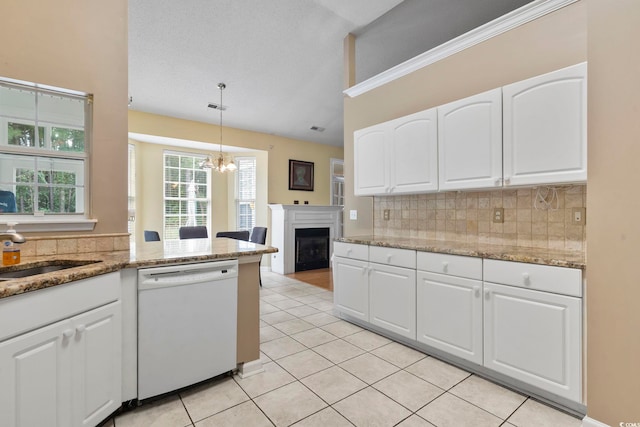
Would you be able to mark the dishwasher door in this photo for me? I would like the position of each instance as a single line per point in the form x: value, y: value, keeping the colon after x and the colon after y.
x: 187, y: 324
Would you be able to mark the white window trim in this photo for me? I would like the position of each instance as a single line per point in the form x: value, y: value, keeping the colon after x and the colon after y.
x: 237, y: 195
x: 165, y: 198
x: 38, y: 222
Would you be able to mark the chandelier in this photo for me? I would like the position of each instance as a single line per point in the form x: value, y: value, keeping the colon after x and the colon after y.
x: 217, y: 161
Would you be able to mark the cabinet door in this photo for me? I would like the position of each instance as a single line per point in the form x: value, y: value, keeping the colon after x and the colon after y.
x: 370, y: 161
x: 35, y: 380
x: 97, y: 359
x: 449, y: 314
x: 470, y: 142
x: 545, y: 128
x: 351, y: 287
x: 414, y: 153
x: 534, y: 337
x: 392, y: 299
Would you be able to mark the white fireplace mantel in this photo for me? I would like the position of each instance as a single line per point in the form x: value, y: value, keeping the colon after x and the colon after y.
x: 285, y: 219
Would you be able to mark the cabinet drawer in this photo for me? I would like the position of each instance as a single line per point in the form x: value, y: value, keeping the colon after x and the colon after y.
x: 559, y: 280
x: 454, y: 265
x: 351, y: 250
x: 392, y: 256
x: 49, y: 305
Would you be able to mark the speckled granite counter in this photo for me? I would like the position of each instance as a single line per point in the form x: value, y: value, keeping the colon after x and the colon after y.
x: 505, y: 253
x: 145, y: 255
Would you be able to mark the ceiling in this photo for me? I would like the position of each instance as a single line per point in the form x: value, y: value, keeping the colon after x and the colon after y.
x: 282, y: 60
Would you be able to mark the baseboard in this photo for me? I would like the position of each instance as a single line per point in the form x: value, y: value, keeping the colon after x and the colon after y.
x: 590, y: 422
x: 248, y: 369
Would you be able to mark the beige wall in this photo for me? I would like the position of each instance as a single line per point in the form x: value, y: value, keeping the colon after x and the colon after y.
x: 551, y: 42
x: 613, y: 291
x: 279, y: 149
x: 79, y: 45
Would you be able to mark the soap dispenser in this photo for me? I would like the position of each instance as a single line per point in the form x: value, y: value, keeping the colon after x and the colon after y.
x: 10, y: 251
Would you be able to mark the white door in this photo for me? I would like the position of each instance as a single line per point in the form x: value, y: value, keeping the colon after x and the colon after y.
x: 392, y: 299
x: 371, y: 161
x: 449, y: 311
x: 470, y: 142
x: 534, y: 337
x: 414, y: 153
x: 545, y: 128
x: 351, y: 287
x: 35, y: 380
x: 97, y: 359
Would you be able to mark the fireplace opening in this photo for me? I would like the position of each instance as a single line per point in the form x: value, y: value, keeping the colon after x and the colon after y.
x: 312, y: 248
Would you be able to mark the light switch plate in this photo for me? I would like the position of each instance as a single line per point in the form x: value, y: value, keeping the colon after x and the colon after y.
x: 386, y: 214
x: 353, y: 214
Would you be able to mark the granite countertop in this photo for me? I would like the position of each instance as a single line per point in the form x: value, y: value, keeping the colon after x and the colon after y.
x: 145, y: 255
x: 559, y: 258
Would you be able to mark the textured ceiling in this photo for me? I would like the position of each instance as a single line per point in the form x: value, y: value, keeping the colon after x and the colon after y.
x: 282, y: 60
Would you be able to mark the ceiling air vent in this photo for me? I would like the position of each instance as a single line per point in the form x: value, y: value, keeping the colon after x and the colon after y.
x: 217, y: 106
x: 317, y: 128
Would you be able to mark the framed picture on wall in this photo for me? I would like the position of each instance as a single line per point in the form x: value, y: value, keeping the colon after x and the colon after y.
x: 300, y: 175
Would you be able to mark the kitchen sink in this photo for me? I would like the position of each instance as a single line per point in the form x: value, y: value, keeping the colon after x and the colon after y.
x: 42, y: 268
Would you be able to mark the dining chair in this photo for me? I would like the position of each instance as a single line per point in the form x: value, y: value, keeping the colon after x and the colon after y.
x: 151, y: 236
x: 238, y: 235
x: 195, y: 232
x: 259, y: 235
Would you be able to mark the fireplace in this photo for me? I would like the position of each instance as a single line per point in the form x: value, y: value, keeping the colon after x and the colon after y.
x: 288, y: 221
x: 312, y: 248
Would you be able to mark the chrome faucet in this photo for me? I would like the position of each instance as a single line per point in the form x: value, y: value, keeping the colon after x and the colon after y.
x: 14, y: 237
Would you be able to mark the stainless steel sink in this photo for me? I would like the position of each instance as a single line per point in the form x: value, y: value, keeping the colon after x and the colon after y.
x: 49, y: 267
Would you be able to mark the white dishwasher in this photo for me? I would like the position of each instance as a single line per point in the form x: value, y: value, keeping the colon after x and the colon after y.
x: 187, y: 324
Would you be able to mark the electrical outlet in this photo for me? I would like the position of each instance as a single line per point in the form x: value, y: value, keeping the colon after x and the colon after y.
x: 353, y: 214
x: 579, y: 216
x: 498, y: 215
x: 386, y: 214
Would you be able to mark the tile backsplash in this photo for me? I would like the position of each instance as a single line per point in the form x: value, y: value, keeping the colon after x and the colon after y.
x: 467, y: 217
x: 74, y: 244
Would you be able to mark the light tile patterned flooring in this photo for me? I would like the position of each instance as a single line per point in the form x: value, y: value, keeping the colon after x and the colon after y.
x: 322, y: 371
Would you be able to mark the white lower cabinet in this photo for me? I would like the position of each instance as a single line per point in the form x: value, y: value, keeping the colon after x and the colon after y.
x: 449, y: 314
x: 351, y: 297
x: 516, y: 319
x: 392, y: 299
x: 534, y: 337
x: 65, y: 374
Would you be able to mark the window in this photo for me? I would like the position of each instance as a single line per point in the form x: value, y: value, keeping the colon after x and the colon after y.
x: 337, y: 182
x: 43, y: 150
x: 131, y: 205
x: 186, y: 193
x: 246, y: 192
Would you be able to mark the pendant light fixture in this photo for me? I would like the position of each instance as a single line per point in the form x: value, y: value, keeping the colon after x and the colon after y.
x: 217, y: 162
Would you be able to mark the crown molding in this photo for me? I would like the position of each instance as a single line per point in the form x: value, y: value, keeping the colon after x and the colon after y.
x: 511, y: 20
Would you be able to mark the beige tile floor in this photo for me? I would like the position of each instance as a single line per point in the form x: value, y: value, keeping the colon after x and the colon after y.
x: 322, y: 371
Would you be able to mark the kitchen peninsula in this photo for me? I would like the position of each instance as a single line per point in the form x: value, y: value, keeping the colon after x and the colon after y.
x: 75, y: 329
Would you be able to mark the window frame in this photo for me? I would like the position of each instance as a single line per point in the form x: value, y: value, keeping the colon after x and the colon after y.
x: 39, y: 220
x: 201, y: 158
x: 238, y: 201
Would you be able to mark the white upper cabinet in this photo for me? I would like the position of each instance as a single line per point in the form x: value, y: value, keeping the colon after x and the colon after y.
x: 470, y: 142
x: 414, y: 153
x: 371, y: 161
x: 398, y: 156
x: 545, y: 128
